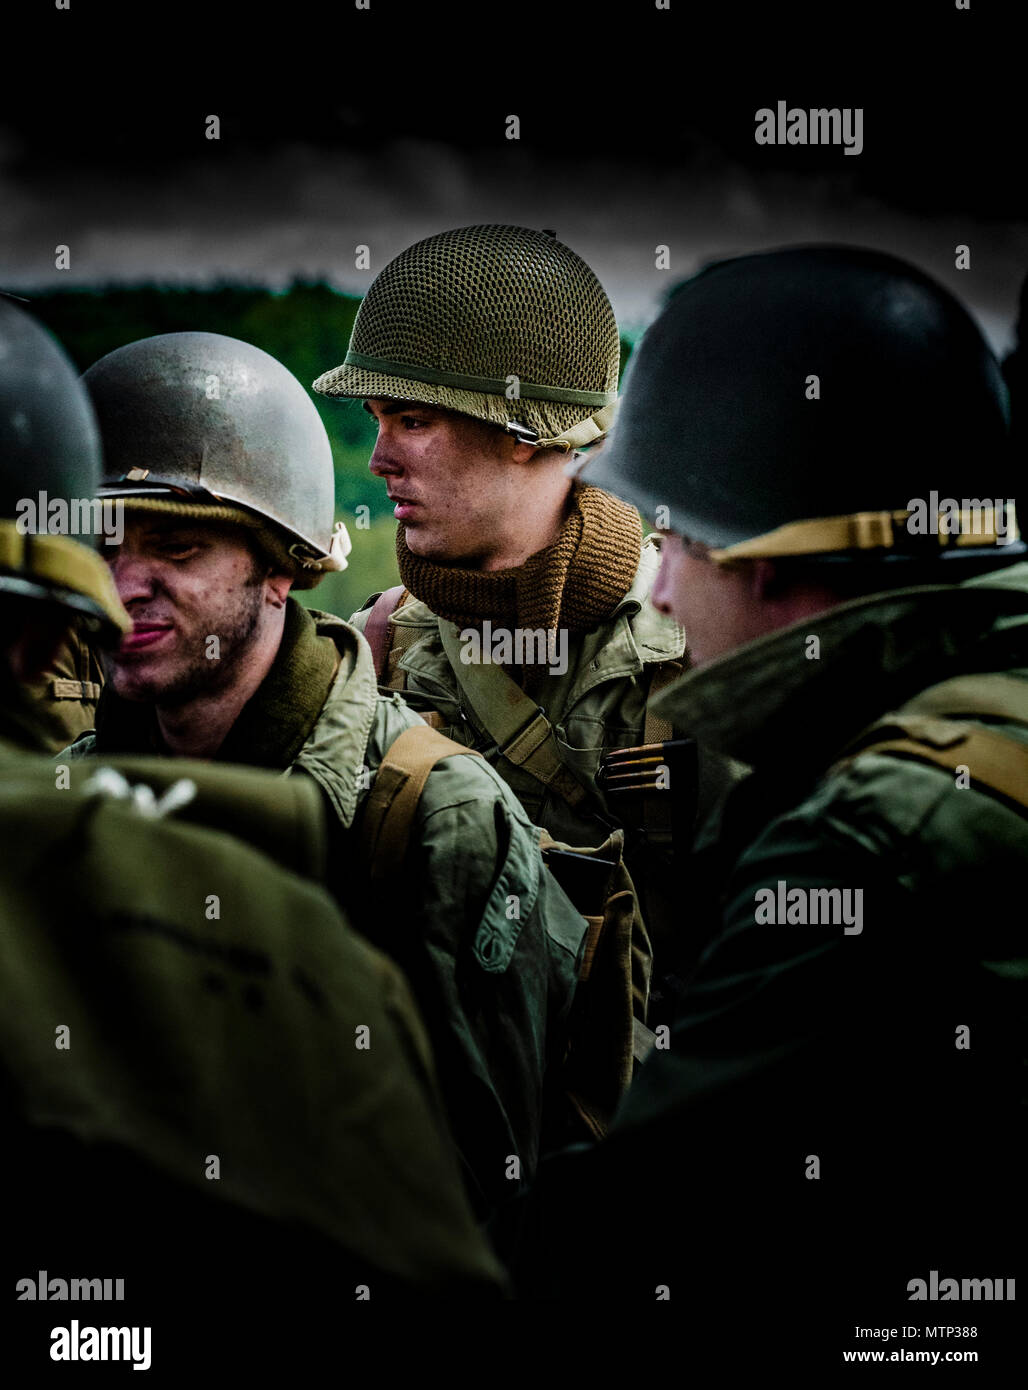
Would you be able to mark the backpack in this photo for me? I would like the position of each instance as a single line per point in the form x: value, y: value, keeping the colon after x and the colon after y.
x: 606, y: 1027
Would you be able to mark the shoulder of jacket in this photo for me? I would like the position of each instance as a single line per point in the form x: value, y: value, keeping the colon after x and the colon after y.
x: 281, y: 817
x: 463, y: 778
x: 979, y: 719
x: 411, y: 612
x: 391, y: 716
x: 340, y: 630
x: 911, y: 813
x: 359, y: 620
x: 460, y: 779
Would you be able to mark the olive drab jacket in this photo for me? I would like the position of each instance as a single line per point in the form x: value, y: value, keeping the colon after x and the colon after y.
x: 598, y: 704
x: 844, y: 1081
x: 62, y: 701
x: 175, y: 988
x: 486, y: 937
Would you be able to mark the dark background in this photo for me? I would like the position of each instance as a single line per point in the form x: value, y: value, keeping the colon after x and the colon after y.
x: 342, y: 127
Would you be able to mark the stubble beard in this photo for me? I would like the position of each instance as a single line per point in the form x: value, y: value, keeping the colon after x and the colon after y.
x: 197, y: 674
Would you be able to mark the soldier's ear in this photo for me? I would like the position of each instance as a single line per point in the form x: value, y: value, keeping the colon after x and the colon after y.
x: 497, y: 442
x: 276, y: 587
x: 765, y: 581
x: 522, y: 453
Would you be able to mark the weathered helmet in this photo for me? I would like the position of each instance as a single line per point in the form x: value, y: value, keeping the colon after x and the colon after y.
x: 504, y: 324
x: 206, y: 426
x: 49, y: 464
x: 795, y: 403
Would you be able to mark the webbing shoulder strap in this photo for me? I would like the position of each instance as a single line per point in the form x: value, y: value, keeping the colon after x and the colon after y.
x: 994, y: 764
x: 393, y: 800
x: 518, y: 726
x: 657, y: 728
x: 929, y: 729
x: 997, y: 695
x: 377, y: 629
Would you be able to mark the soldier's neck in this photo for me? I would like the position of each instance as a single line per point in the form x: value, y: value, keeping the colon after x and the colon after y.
x: 198, y: 728
x: 534, y: 525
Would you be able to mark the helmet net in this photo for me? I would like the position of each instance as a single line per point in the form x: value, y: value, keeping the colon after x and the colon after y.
x: 489, y: 302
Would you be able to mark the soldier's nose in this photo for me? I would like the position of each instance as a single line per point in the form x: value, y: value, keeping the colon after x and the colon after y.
x: 132, y: 577
x: 382, y: 466
x: 659, y: 594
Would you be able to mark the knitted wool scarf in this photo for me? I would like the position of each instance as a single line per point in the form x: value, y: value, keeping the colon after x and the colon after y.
x: 573, y: 584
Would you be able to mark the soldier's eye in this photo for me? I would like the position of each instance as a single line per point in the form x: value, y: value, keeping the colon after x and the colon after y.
x: 411, y: 422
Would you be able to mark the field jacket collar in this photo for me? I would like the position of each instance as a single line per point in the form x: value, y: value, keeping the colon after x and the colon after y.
x: 774, y: 701
x: 634, y: 635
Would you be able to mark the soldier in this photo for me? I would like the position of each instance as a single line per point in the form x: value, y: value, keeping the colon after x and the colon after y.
x: 187, y: 1105
x: 225, y: 472
x: 488, y: 356
x: 834, y: 1114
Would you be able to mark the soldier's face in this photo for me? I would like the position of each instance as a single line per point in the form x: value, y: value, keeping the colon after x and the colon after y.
x: 183, y: 585
x: 722, y: 607
x: 716, y: 606
x: 456, y: 482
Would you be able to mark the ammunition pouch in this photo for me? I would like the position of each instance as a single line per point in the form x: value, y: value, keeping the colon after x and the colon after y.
x: 607, y: 1032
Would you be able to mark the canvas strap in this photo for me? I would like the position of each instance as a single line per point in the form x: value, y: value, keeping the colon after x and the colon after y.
x: 518, y: 726
x: 657, y: 729
x: 930, y: 729
x: 872, y: 531
x: 393, y: 801
x: 378, y: 630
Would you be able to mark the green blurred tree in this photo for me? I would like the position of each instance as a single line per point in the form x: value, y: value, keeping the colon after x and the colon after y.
x: 371, y: 568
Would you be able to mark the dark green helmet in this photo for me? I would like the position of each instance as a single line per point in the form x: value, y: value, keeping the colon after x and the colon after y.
x: 49, y: 474
x: 798, y: 402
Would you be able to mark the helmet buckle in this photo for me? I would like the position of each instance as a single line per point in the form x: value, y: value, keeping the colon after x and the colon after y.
x: 524, y: 434
x: 304, y: 555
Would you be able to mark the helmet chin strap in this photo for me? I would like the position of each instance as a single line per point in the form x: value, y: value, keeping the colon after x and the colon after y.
x: 886, y: 531
x: 338, y: 549
x: 586, y: 432
x: 307, y: 560
x: 577, y: 437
